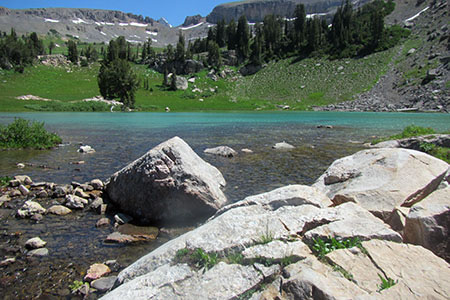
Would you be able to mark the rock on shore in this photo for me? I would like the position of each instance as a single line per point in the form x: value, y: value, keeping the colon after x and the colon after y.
x: 263, y: 244
x: 170, y: 183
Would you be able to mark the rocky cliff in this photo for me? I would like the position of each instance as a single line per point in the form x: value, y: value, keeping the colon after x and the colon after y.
x: 255, y: 10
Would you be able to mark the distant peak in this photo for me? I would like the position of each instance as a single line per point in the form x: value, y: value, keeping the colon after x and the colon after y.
x: 163, y: 21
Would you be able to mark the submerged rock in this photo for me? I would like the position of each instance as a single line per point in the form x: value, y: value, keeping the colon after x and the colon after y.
x: 283, y: 145
x: 35, y: 243
x: 170, y: 183
x: 38, y: 252
x: 224, y: 151
x: 59, y: 210
x: 86, y: 149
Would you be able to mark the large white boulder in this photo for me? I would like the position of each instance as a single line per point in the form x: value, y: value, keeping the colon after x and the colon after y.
x: 170, y: 183
x: 381, y: 179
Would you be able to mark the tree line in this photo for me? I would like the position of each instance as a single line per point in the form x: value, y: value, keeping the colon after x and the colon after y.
x: 17, y: 52
x: 351, y: 33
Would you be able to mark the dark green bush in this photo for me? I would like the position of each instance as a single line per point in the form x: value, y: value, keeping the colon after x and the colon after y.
x: 26, y: 134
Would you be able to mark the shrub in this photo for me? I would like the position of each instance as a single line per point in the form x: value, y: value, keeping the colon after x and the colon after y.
x: 5, y: 180
x: 26, y: 134
x: 323, y: 247
x: 409, y: 131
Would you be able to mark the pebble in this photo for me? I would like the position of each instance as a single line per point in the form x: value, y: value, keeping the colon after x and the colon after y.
x: 104, y: 284
x: 7, y: 261
x: 23, y: 189
x: 35, y: 243
x: 38, y: 252
x: 245, y: 150
x: 122, y: 218
x: 20, y: 165
x: 15, y: 193
x: 42, y: 194
x: 102, y: 222
x: 96, y: 271
x: 23, y: 179
x: 37, y: 217
x: 97, y: 184
x: 59, y: 210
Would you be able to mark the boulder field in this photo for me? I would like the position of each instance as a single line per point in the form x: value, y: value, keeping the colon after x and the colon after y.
x: 373, y: 226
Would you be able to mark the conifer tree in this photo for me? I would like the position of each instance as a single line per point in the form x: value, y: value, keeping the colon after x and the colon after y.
x: 180, y: 50
x: 231, y: 35
x: 243, y: 38
x: 72, y: 51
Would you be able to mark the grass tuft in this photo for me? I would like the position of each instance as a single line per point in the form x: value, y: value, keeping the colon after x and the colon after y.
x: 386, y: 283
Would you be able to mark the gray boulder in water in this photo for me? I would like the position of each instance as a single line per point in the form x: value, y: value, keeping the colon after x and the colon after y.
x: 170, y: 183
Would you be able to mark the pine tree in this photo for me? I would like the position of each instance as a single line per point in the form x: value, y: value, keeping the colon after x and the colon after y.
x: 214, y: 57
x: 180, y: 50
x: 299, y: 25
x: 256, y: 48
x: 166, y: 77
x: 231, y: 35
x: 72, y: 51
x: 173, y: 83
x: 51, y: 46
x: 221, y: 33
x: 243, y: 38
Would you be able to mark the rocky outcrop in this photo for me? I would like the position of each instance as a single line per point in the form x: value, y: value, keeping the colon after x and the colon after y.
x: 247, y: 224
x: 193, y: 20
x: 427, y: 223
x: 267, y: 244
x: 415, y: 271
x: 382, y: 179
x: 169, y: 183
x: 255, y: 10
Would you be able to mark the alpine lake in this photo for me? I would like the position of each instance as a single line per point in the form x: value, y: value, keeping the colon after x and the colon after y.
x: 75, y: 243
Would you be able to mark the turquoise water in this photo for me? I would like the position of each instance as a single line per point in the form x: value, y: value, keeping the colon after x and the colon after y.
x: 120, y: 138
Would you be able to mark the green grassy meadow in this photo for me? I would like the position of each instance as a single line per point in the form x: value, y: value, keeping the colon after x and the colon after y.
x: 299, y: 84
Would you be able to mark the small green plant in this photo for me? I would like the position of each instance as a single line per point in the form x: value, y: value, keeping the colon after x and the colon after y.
x: 236, y: 258
x: 386, y: 283
x: 203, y: 259
x: 26, y: 134
x: 323, y: 247
x: 436, y: 151
x: 181, y: 254
x: 75, y: 285
x: 266, y: 237
x: 344, y: 272
x: 285, y: 261
x: 4, y: 180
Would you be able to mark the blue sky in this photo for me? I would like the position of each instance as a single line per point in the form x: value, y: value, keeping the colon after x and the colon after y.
x: 173, y: 10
